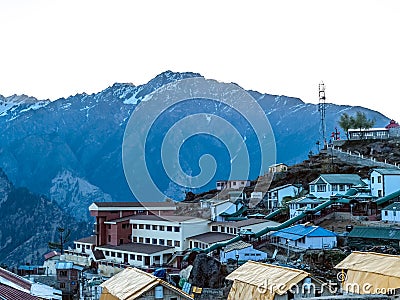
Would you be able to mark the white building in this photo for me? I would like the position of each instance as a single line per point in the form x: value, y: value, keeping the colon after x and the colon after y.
x: 384, y: 182
x: 225, y: 207
x: 300, y: 205
x: 232, y: 184
x: 276, y: 168
x: 171, y: 231
x: 50, y: 261
x: 241, y: 251
x: 305, y: 236
x: 391, y: 213
x: 251, y: 225
x: 276, y: 195
x: 327, y: 185
x: 82, y: 254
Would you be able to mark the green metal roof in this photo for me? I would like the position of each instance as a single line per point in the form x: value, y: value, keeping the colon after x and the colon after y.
x: 235, y: 214
x: 388, y: 197
x: 394, y: 206
x: 385, y: 233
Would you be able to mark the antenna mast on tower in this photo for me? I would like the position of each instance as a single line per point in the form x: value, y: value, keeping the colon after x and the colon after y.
x: 322, y: 111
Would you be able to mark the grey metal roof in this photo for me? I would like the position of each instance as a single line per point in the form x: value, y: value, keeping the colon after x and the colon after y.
x: 353, y: 179
x: 87, y: 240
x: 236, y: 246
x: 212, y: 237
x: 388, y: 171
x: 394, y: 206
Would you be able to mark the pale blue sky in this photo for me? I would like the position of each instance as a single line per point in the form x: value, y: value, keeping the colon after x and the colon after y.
x: 56, y: 48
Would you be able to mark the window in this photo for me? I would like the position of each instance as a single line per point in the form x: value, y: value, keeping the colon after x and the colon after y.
x: 132, y: 256
x: 62, y: 285
x: 140, y: 240
x: 139, y: 258
x: 386, y: 213
x: 379, y: 179
x: 177, y: 243
x: 312, y: 188
x: 147, y: 227
x: 134, y: 226
x: 169, y: 228
x: 112, y: 254
x: 161, y: 228
x: 154, y: 241
x: 121, y: 241
x: 214, y: 228
x: 321, y: 188
x: 334, y: 187
x: 147, y: 240
x: 107, y: 253
x: 109, y: 226
x: 169, y: 242
x: 177, y: 229
x: 154, y: 227
x: 119, y: 255
x: 394, y: 213
x: 63, y: 273
x: 161, y: 242
x: 109, y: 238
x: 342, y: 187
x: 87, y: 246
x: 141, y: 226
x: 379, y: 193
x: 134, y: 239
x: 234, y: 183
x: 78, y: 246
x: 372, y: 179
x: 222, y: 228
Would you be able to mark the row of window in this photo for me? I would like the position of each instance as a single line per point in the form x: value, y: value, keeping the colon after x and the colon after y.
x: 156, y: 227
x: 252, y: 254
x: 78, y: 246
x: 119, y: 255
x: 379, y: 179
x: 386, y: 213
x: 322, y: 188
x: 223, y: 229
x: 154, y: 241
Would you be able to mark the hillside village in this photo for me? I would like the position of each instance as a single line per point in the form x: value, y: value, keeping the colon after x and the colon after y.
x: 321, y: 229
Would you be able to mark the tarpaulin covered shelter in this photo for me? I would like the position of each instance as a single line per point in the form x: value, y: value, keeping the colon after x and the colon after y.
x: 370, y: 273
x: 133, y: 283
x: 259, y: 281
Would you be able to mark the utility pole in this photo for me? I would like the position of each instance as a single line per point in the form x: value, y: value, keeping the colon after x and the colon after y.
x: 322, y: 112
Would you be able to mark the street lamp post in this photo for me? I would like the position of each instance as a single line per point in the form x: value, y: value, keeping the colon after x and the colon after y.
x: 287, y: 242
x: 237, y: 259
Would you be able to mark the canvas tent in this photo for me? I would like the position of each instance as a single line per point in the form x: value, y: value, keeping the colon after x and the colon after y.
x: 259, y: 281
x: 370, y: 273
x: 132, y: 283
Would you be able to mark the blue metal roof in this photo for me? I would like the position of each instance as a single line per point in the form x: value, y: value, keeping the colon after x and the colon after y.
x: 298, y: 231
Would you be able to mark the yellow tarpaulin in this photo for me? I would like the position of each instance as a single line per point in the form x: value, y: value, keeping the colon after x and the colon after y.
x: 370, y: 273
x: 261, y: 281
x: 131, y: 283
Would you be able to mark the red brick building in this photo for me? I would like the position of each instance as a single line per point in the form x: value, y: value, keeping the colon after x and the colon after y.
x: 112, y: 219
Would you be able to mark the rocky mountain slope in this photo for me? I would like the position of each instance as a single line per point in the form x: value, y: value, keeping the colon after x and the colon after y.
x: 28, y: 222
x: 82, y: 136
